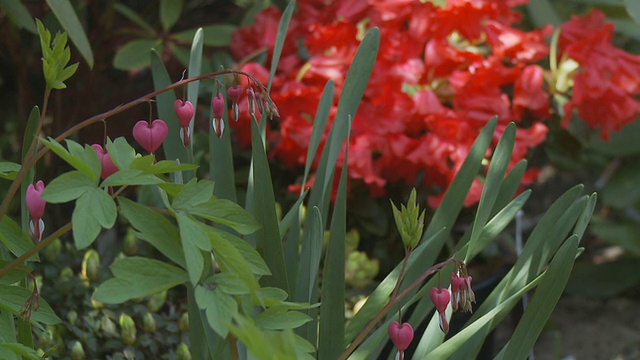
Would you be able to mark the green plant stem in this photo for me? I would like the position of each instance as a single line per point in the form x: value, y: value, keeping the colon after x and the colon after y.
x: 392, y: 301
x: 30, y: 161
x: 407, y: 253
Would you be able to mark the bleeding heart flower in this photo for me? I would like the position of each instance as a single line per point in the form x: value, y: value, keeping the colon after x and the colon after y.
x: 35, y: 205
x: 108, y: 167
x: 401, y: 335
x: 440, y: 298
x: 234, y: 93
x: 150, y: 136
x: 185, y: 112
x: 217, y: 105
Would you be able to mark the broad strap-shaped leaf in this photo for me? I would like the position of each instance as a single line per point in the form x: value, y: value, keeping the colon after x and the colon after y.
x: 136, y: 277
x: 543, y: 302
x: 268, y: 241
x: 332, y: 319
x: 67, y: 17
x: 213, y: 35
x: 283, y: 26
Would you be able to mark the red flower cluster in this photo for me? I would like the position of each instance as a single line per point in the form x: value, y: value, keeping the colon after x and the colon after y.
x: 608, y: 81
x: 440, y: 75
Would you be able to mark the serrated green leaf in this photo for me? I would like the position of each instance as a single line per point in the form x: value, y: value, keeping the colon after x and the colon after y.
x: 281, y: 318
x: 77, y: 162
x: 170, y: 11
x: 8, y: 170
x: 134, y: 55
x: 217, y: 35
x: 12, y: 236
x: 94, y: 210
x: 228, y: 213
x: 229, y: 282
x: 192, y: 231
x: 19, y: 349
x: 193, y: 193
x: 130, y: 177
x: 194, y: 260
x: 154, y: 228
x: 230, y: 258
x: 19, y: 14
x: 136, y: 277
x: 219, y: 307
x: 248, y: 252
x: 134, y: 18
x: 121, y: 153
x: 142, y: 162
x: 67, y: 17
x: 13, y: 298
x: 14, y: 275
x: 67, y: 187
x: 87, y: 155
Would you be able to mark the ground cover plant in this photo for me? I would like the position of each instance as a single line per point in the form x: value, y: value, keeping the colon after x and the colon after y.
x: 452, y: 118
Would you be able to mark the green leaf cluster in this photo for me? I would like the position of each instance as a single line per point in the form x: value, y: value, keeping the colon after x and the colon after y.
x: 55, y: 58
x: 409, y: 221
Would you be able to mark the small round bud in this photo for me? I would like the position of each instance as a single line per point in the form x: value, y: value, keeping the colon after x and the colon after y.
x: 156, y: 301
x: 77, y: 352
x: 91, y: 265
x: 127, y: 329
x: 149, y: 323
x: 183, y: 323
x: 182, y: 352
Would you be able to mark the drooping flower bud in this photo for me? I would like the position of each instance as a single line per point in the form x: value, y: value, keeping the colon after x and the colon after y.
x: 150, y: 136
x: 401, y: 335
x: 182, y: 352
x: 440, y: 298
x: 234, y: 93
x: 91, y: 265
x: 217, y: 105
x: 108, y: 167
x: 35, y: 205
x: 185, y: 112
x: 251, y: 100
x: 462, y: 293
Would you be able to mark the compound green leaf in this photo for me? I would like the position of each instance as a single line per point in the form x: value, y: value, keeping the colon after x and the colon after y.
x: 136, y: 277
x: 94, y: 210
x: 226, y: 212
x: 170, y: 11
x: 12, y: 236
x: 219, y: 307
x: 12, y: 298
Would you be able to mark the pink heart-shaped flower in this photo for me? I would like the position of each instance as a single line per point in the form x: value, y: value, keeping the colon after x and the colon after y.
x: 150, y: 137
x: 108, y: 167
x: 184, y: 110
x: 34, y: 202
x: 401, y: 335
x: 440, y: 298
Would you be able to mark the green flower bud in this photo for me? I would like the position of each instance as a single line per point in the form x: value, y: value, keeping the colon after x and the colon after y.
x: 156, y: 301
x: 66, y: 274
x: 409, y: 221
x: 149, y: 323
x: 360, y: 270
x: 53, y: 251
x: 130, y: 243
x: 183, y: 322
x: 182, y: 352
x: 127, y: 329
x: 72, y: 317
x: 46, y: 339
x: 77, y: 352
x: 108, y: 326
x: 91, y: 265
x: 352, y: 240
